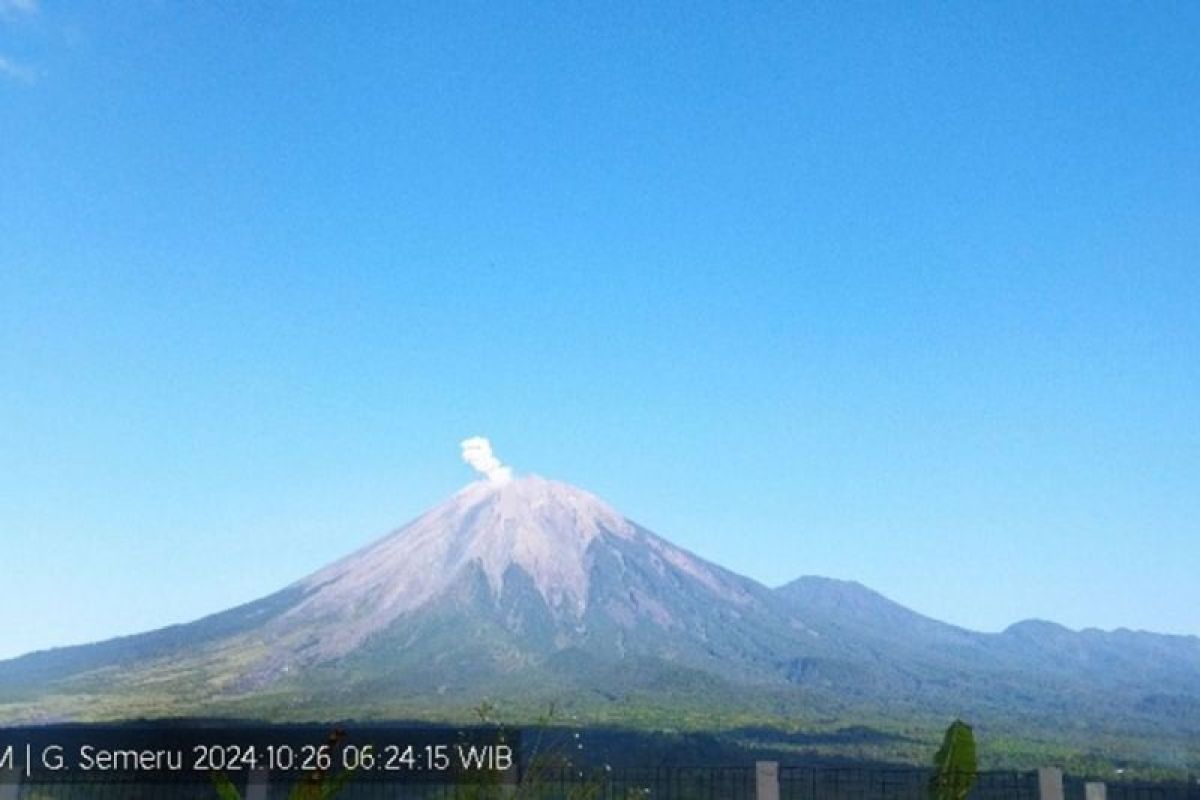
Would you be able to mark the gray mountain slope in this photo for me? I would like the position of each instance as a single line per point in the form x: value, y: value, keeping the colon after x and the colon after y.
x: 39, y: 669
x: 535, y: 591
x: 1144, y: 679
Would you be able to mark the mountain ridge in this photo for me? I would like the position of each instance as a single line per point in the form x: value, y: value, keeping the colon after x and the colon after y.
x: 536, y: 591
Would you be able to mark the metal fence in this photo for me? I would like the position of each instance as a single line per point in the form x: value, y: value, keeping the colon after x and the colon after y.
x: 668, y: 783
x: 1125, y: 790
x: 811, y: 783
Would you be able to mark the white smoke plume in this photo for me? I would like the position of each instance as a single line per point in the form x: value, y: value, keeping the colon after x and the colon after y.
x: 477, y: 451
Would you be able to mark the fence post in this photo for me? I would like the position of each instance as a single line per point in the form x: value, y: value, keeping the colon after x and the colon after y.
x: 258, y: 784
x: 510, y: 781
x: 766, y: 780
x: 1050, y: 783
x: 1095, y: 790
x: 10, y: 784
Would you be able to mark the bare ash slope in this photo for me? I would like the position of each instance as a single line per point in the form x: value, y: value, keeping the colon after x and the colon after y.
x: 503, y: 580
x: 530, y: 590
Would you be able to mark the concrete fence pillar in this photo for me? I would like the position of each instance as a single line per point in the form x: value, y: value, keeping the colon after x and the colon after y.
x: 766, y: 780
x: 1050, y: 783
x: 1095, y: 791
x: 510, y: 782
x: 258, y: 785
x: 10, y: 785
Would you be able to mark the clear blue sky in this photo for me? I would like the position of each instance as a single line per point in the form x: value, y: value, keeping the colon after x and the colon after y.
x: 908, y: 294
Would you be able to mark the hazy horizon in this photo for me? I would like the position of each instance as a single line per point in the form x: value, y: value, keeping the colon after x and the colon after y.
x: 482, y: 479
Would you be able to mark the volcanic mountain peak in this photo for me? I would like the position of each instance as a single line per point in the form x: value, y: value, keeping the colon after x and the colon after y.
x: 542, y: 527
x: 531, y: 589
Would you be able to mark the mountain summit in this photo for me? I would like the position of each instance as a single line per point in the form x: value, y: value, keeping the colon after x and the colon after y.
x: 529, y: 534
x: 528, y: 590
x: 539, y: 527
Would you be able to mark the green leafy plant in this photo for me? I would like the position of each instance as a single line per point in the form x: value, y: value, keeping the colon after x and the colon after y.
x: 225, y: 788
x: 547, y: 759
x: 316, y: 785
x: 955, y: 764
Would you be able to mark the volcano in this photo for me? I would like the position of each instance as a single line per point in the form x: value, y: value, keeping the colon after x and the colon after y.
x: 527, y: 591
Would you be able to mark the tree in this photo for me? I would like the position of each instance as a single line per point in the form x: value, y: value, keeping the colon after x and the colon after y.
x: 955, y: 765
